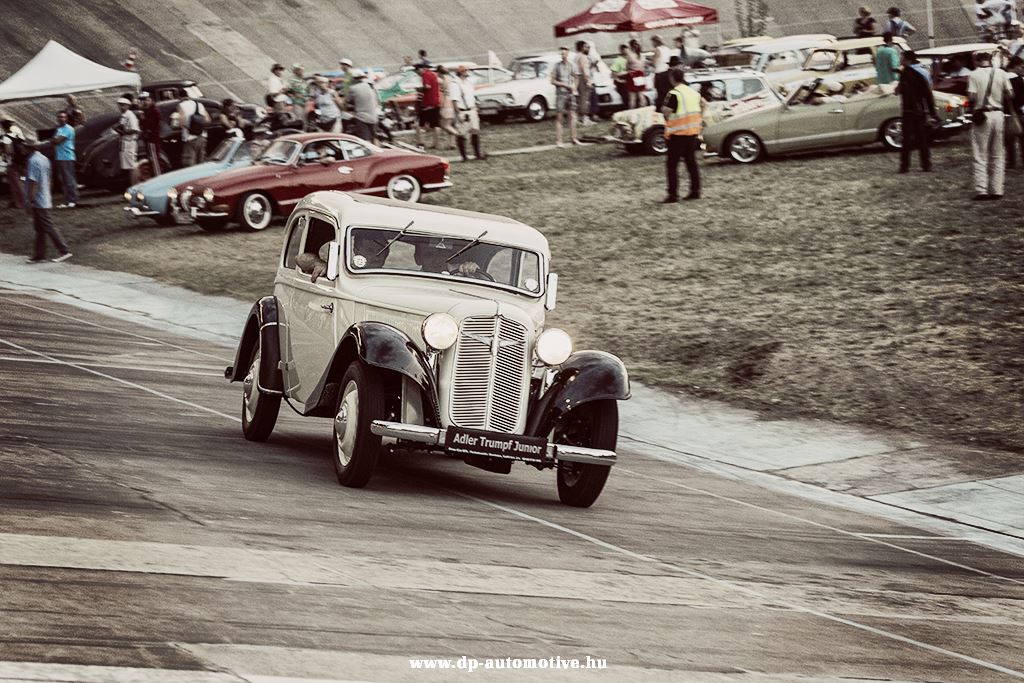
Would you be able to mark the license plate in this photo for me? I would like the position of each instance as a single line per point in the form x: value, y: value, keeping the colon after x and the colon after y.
x: 495, y: 445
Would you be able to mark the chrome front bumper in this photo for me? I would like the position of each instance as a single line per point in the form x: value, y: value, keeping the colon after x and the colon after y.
x: 435, y: 437
x: 437, y: 186
x: 136, y: 212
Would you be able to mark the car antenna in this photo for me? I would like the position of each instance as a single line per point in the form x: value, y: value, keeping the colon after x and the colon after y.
x: 394, y: 239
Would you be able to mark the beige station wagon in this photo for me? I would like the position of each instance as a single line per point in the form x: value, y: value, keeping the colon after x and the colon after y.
x: 423, y: 328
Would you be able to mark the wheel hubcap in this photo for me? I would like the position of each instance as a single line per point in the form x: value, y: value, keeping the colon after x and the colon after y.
x: 536, y: 110
x: 250, y: 393
x: 894, y: 133
x: 659, y: 145
x: 402, y: 189
x: 346, y: 423
x: 744, y: 148
x: 257, y: 212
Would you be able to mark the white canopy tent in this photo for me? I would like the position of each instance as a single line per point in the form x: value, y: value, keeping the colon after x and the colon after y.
x: 56, y: 70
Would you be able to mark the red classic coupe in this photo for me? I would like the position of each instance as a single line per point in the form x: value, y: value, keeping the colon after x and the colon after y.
x: 295, y: 165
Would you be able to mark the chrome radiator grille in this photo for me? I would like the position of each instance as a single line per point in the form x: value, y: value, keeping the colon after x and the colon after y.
x: 491, y: 371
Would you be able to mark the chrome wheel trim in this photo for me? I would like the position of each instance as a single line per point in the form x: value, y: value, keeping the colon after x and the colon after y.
x: 404, y: 188
x: 893, y: 133
x: 659, y: 144
x: 536, y: 109
x: 346, y: 422
x: 250, y: 390
x: 256, y: 211
x: 744, y: 148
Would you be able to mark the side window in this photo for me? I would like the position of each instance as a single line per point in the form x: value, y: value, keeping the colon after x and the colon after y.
x: 298, y: 231
x: 320, y: 233
x: 752, y: 86
x: 734, y: 89
x: 353, y: 150
x: 713, y: 91
x: 321, y: 150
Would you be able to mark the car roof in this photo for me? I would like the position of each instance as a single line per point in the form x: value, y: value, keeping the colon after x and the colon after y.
x: 360, y: 209
x: 723, y: 72
x: 791, y: 43
x: 956, y: 49
x: 303, y: 138
x: 854, y: 43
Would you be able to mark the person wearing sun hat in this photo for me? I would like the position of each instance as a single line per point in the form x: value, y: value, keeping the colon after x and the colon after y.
x: 362, y: 100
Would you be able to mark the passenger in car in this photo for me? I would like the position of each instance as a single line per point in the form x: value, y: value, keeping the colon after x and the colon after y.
x: 314, y: 265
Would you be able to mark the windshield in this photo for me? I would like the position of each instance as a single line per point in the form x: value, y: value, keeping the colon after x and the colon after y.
x: 279, y: 152
x: 445, y: 257
x: 222, y: 152
x: 525, y: 70
x: 820, y: 60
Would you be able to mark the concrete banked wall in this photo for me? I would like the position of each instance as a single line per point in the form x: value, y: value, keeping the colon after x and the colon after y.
x: 228, y: 45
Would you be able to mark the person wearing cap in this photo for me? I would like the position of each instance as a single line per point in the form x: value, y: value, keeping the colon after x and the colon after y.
x: 430, y: 105
x: 128, y: 129
x: 988, y: 90
x: 363, y: 101
x: 38, y: 205
x: 275, y: 88
x: 151, y: 125
x: 467, y: 117
x: 194, y: 120
x: 346, y: 76
x: 64, y: 155
x: 917, y: 106
x: 326, y: 105
x: 296, y: 88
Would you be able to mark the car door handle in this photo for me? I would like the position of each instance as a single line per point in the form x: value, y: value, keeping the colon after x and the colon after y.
x: 345, y: 169
x: 328, y: 307
x: 836, y: 111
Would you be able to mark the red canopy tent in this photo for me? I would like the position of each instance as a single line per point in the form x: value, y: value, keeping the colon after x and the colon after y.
x: 636, y: 15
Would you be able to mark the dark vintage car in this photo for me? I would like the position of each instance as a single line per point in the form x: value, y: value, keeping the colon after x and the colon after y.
x: 295, y: 165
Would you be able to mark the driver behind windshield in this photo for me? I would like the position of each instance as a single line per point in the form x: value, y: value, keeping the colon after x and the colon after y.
x: 433, y: 256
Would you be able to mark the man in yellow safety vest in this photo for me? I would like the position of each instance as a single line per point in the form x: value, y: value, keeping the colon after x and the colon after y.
x: 684, y: 120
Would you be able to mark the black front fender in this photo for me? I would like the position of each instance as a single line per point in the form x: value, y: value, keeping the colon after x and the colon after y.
x: 587, y: 376
x: 381, y: 346
x: 261, y: 331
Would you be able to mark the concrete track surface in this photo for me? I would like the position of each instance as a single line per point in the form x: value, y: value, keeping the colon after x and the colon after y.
x: 143, y: 539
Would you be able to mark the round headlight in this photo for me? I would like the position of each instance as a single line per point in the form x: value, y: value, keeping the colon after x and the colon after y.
x: 440, y: 331
x: 172, y: 193
x: 140, y: 196
x: 208, y: 194
x: 553, y: 346
x: 127, y: 195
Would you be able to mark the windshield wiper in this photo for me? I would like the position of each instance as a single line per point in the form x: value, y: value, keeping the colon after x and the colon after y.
x: 466, y: 248
x: 394, y: 239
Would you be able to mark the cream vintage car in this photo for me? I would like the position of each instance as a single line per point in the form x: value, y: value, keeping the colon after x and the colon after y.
x: 814, y: 117
x: 422, y: 328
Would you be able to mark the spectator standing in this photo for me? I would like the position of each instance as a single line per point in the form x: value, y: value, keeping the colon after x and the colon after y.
x: 683, y: 110
x: 584, y: 82
x: 987, y: 89
x: 275, y: 89
x: 38, y: 205
x: 620, y: 73
x: 151, y: 133
x: 296, y: 89
x: 194, y: 119
x: 563, y: 77
x: 1015, y: 67
x: 13, y: 149
x: 327, y: 105
x: 430, y: 106
x: 467, y: 115
x: 423, y: 58
x: 128, y: 129
x: 659, y: 61
x: 887, y: 61
x: 679, y: 44
x: 897, y: 25
x: 865, y: 25
x: 64, y: 154
x: 345, y: 64
x: 75, y: 115
x: 449, y: 93
x: 636, y: 79
x: 1015, y: 40
x: 362, y: 99
x: 917, y: 106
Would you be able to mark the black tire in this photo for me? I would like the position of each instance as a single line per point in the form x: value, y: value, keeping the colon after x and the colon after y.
x: 537, y: 109
x: 355, y: 451
x: 891, y: 133
x: 212, y: 224
x: 744, y: 147
x: 255, y: 211
x: 594, y: 425
x: 654, y: 142
x: 259, y: 410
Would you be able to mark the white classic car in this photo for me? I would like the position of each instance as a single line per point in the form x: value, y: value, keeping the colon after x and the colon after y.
x: 422, y: 328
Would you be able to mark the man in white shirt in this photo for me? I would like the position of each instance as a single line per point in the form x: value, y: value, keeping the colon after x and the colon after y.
x: 467, y: 117
x: 194, y: 119
x: 128, y: 128
x: 275, y: 87
x: 660, y: 63
x: 988, y: 88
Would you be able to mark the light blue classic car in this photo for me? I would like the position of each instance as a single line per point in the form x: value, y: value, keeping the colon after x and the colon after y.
x: 150, y: 198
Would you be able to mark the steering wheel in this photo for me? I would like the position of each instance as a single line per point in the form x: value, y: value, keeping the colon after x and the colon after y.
x: 480, y: 275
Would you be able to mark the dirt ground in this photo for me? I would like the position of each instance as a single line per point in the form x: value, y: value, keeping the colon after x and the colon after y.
x: 823, y: 285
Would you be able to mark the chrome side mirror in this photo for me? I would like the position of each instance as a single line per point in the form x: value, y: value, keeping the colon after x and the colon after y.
x: 552, y: 292
x: 333, y: 260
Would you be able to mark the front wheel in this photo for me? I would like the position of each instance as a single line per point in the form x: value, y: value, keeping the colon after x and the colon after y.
x: 259, y: 410
x: 744, y: 148
x: 593, y: 425
x: 654, y: 141
x: 255, y: 211
x: 537, y: 109
x: 360, y: 402
x: 892, y: 133
x: 404, y: 188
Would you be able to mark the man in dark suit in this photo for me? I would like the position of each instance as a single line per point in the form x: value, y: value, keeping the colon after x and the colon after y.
x: 918, y: 106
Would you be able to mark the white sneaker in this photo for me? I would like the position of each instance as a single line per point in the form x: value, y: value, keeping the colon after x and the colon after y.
x: 62, y: 257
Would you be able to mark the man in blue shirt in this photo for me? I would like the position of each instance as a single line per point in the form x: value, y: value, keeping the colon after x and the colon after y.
x: 38, y: 204
x: 64, y: 150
